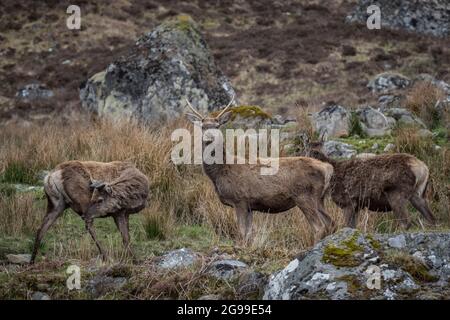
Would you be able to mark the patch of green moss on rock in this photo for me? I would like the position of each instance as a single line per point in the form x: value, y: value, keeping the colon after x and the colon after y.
x: 343, y: 254
x: 375, y: 244
x: 249, y: 112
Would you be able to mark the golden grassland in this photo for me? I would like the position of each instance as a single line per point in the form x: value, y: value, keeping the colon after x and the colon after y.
x: 183, y: 210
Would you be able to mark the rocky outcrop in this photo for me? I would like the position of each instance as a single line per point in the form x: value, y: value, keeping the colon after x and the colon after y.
x: 388, y: 82
x: 338, y: 150
x: 421, y: 16
x: 403, y: 116
x: 353, y: 265
x: 332, y: 121
x: 152, y: 80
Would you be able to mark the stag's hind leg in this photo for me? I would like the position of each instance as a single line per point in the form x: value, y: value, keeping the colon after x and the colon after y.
x: 55, y: 207
x: 422, y: 206
x: 313, y: 216
x: 398, y: 203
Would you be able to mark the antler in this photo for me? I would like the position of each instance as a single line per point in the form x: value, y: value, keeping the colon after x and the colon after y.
x: 193, y: 110
x: 226, y: 108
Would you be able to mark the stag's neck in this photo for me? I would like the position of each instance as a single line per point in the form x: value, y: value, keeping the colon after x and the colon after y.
x: 215, y: 170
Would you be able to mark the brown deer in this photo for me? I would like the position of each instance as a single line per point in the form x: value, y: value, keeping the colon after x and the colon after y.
x: 299, y: 181
x: 379, y: 183
x: 94, y: 190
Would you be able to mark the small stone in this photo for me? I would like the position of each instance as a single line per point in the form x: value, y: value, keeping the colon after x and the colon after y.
x: 40, y: 296
x: 425, y: 133
x: 226, y: 269
x: 180, y: 258
x: 365, y: 155
x: 210, y: 297
x: 389, y: 147
x: 397, y: 242
x: 19, y: 258
x: 375, y: 146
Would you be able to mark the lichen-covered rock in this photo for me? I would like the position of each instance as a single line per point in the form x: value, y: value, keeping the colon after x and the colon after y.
x: 403, y: 116
x: 332, y: 121
x: 152, y: 80
x: 353, y: 265
x: 387, y: 82
x: 338, y: 150
x: 103, y: 284
x: 421, y: 16
x: 373, y: 122
x: 180, y: 258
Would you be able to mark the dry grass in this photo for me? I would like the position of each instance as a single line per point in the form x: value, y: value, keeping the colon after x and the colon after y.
x: 180, y: 195
x: 422, y: 100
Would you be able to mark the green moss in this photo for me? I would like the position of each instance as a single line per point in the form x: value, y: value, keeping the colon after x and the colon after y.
x: 249, y: 112
x: 415, y: 267
x: 373, y: 242
x: 343, y: 254
x: 355, y: 126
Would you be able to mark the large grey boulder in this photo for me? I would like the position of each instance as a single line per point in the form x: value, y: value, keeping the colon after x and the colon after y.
x: 421, y: 16
x: 353, y: 265
x: 332, y: 121
x: 388, y: 82
x: 151, y: 82
x: 19, y: 258
x: 373, y: 122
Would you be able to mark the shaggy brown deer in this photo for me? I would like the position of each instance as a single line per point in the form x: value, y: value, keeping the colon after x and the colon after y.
x: 299, y: 181
x: 94, y: 190
x: 380, y: 183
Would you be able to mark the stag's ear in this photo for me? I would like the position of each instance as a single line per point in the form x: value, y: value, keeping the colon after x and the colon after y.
x: 224, y: 118
x: 193, y: 118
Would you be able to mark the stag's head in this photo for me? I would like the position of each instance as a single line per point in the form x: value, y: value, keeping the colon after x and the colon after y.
x: 207, y: 122
x: 102, y: 200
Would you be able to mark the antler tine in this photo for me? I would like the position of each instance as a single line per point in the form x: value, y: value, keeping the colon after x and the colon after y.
x: 193, y: 110
x: 226, y: 108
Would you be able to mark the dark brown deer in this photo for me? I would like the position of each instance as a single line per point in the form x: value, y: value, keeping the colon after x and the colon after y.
x: 380, y: 183
x: 94, y: 190
x: 300, y: 182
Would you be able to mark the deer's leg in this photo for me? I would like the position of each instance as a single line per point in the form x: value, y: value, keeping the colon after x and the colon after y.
x: 312, y: 215
x: 90, y: 229
x: 122, y: 223
x: 398, y: 203
x: 350, y: 216
x: 326, y: 219
x: 55, y: 207
x: 422, y: 206
x: 244, y: 219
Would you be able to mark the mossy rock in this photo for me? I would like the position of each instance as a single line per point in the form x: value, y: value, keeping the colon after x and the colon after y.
x: 414, y: 266
x: 345, y: 253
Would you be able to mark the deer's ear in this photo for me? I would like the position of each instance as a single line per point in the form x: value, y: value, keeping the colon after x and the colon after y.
x: 224, y: 118
x: 193, y: 118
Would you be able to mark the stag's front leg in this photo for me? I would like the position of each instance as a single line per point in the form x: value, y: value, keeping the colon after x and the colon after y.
x: 244, y: 219
x: 90, y: 229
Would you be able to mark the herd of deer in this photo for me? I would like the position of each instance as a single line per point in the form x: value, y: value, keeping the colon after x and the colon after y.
x: 117, y: 189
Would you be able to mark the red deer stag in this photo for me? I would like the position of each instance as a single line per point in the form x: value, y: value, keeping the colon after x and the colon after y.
x: 94, y: 190
x: 380, y: 183
x: 299, y: 181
